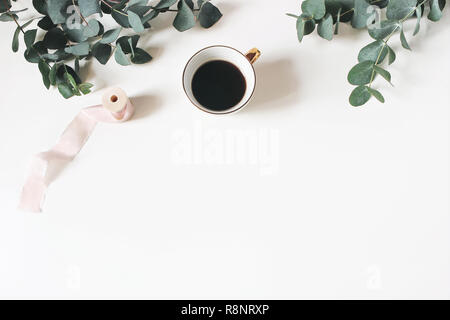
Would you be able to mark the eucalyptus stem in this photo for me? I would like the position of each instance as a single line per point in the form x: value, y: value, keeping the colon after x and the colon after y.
x: 390, y: 35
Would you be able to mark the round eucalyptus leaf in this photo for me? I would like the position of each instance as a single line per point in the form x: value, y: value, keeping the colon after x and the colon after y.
x: 55, y: 39
x: 359, y: 96
x: 361, y: 73
x: 375, y: 51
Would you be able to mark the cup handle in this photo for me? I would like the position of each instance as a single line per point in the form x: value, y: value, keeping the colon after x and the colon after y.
x: 253, y: 55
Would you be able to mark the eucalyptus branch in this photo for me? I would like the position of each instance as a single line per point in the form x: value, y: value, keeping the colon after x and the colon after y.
x: 78, y: 35
x: 326, y: 16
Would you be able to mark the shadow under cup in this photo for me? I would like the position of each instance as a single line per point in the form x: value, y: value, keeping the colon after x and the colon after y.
x: 223, y: 53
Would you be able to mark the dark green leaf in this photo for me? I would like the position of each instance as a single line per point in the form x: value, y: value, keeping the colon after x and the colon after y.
x: 52, y: 74
x: 121, y: 18
x: 140, y: 56
x: 208, y: 15
x: 5, y: 5
x: 102, y: 52
x: 55, y: 39
x: 46, y: 23
x: 45, y: 71
x: 359, y: 96
x: 29, y: 37
x: 125, y: 43
x: 65, y: 90
x: 33, y: 54
x: 361, y: 73
x: 40, y: 6
x: 15, y: 41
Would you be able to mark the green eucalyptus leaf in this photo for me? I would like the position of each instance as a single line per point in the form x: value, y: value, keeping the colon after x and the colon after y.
x: 361, y: 73
x: 382, y: 72
x: 121, y: 18
x: 101, y: 52
x: 85, y: 88
x: 135, y: 22
x: 46, y: 23
x: 208, y: 15
x: 57, y: 10
x: 15, y: 41
x: 338, y: 21
x: 111, y: 35
x: 52, y: 74
x: 41, y: 6
x: 377, y: 94
x: 310, y: 24
x: 391, y: 55
x: 184, y: 19
x: 419, y: 16
x: 120, y: 56
x: 89, y: 7
x: 435, y: 11
x: 140, y: 56
x: 81, y: 49
x: 384, y: 29
x: 29, y: 37
x: 359, y: 96
x: 165, y: 4
x: 362, y: 16
x: 65, y: 90
x: 300, y: 28
x: 125, y: 41
x: 314, y: 8
x: 400, y: 9
x: 92, y: 29
x: 45, y: 71
x: 55, y: 39
x: 375, y: 52
x: 403, y: 40
x: 5, y: 5
x: 34, y: 54
x: 325, y: 27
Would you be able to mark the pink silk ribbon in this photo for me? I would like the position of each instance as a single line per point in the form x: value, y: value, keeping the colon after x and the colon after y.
x: 68, y: 146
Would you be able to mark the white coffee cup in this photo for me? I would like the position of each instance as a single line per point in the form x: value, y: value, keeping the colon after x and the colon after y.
x: 244, y: 62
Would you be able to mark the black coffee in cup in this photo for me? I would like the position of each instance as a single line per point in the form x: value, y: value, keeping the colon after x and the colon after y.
x: 218, y: 85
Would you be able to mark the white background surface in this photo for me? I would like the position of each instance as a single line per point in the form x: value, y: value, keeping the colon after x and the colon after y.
x: 354, y: 204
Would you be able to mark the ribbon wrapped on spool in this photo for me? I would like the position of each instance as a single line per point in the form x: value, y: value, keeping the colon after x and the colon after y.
x: 115, y: 108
